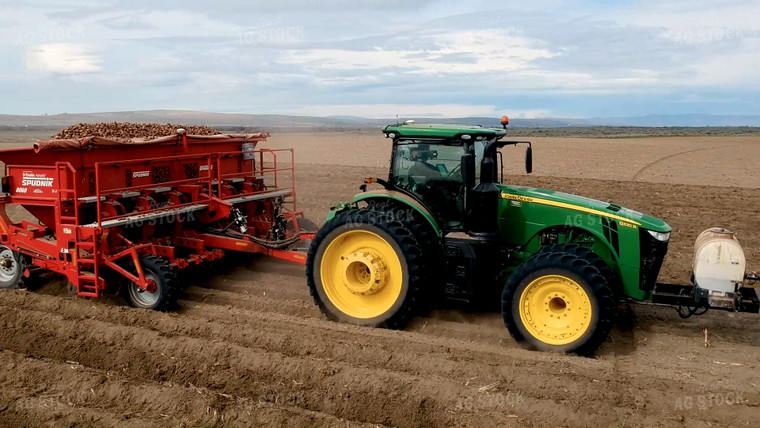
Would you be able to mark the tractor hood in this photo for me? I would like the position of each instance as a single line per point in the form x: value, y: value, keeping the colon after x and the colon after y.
x: 584, y: 205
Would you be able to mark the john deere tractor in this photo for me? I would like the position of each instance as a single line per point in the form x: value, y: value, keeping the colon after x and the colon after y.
x: 445, y: 224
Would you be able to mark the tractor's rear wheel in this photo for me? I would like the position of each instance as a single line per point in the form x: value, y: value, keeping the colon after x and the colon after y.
x: 11, y: 268
x: 427, y: 238
x: 558, y: 301
x: 307, y: 225
x: 164, y: 277
x: 364, y: 268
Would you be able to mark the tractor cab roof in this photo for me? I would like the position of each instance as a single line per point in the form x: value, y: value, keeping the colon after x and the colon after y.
x: 441, y: 132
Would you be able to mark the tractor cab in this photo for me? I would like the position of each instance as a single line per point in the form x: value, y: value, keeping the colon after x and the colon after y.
x: 440, y: 165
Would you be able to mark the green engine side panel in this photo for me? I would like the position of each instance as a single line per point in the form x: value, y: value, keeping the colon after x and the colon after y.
x: 525, y: 212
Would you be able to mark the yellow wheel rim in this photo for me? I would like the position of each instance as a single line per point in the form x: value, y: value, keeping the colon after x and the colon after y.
x: 361, y: 274
x: 555, y: 310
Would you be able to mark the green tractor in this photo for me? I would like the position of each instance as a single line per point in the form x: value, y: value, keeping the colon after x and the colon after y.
x: 445, y: 224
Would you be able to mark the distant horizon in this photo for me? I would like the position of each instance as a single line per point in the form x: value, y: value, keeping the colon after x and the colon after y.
x: 188, y: 116
x: 378, y: 117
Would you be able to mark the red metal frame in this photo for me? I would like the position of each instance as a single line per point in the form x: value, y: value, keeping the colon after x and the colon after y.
x: 98, y: 208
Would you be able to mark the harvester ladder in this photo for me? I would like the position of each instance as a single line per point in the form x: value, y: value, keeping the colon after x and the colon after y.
x: 64, y: 193
x: 88, y: 281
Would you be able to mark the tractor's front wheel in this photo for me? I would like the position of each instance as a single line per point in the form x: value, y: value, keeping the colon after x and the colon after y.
x: 365, y: 268
x: 163, y: 292
x: 558, y: 301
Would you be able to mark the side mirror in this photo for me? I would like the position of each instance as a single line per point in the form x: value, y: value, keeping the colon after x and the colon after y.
x: 529, y: 159
x: 468, y: 170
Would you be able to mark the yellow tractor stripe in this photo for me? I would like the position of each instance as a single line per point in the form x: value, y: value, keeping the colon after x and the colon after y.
x: 568, y: 206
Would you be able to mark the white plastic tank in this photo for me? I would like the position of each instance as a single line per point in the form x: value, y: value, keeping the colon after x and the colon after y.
x: 719, y: 261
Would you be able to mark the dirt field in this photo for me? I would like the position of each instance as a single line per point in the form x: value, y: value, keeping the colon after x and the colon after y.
x: 249, y: 347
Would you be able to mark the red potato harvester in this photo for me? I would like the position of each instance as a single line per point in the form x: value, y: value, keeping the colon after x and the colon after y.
x: 128, y: 214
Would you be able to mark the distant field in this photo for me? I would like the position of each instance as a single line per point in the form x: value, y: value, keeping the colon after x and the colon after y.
x: 251, y: 330
x: 12, y: 134
x: 720, y: 160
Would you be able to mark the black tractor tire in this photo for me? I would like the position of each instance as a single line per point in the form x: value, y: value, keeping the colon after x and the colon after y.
x: 406, y: 249
x: 12, y: 268
x: 613, y: 279
x: 306, y: 225
x: 427, y: 238
x: 571, y: 269
x: 167, y: 287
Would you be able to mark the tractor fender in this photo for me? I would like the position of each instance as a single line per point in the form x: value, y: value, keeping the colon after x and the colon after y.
x: 598, y: 237
x: 403, y: 199
x: 628, y: 275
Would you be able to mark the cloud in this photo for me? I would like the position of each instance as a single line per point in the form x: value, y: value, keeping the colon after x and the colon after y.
x: 63, y: 58
x: 443, y: 57
x: 392, y: 110
x: 458, y: 52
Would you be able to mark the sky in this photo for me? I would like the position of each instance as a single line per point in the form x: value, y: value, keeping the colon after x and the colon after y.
x: 382, y: 58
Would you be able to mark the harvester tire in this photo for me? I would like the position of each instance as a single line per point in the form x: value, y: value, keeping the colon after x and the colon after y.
x: 365, y: 268
x: 11, y: 268
x: 558, y: 301
x: 613, y: 279
x: 167, y: 288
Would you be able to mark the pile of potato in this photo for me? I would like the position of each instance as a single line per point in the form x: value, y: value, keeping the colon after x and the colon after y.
x: 126, y: 130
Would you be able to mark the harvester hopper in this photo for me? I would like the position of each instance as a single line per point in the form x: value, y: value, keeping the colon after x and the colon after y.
x: 130, y: 212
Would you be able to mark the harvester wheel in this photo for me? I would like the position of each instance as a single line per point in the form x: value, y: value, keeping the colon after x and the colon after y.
x: 558, y: 301
x: 164, y: 276
x: 364, y: 268
x: 613, y: 280
x: 11, y: 268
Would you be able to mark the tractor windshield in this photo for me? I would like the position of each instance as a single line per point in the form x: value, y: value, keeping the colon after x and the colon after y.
x: 433, y: 172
